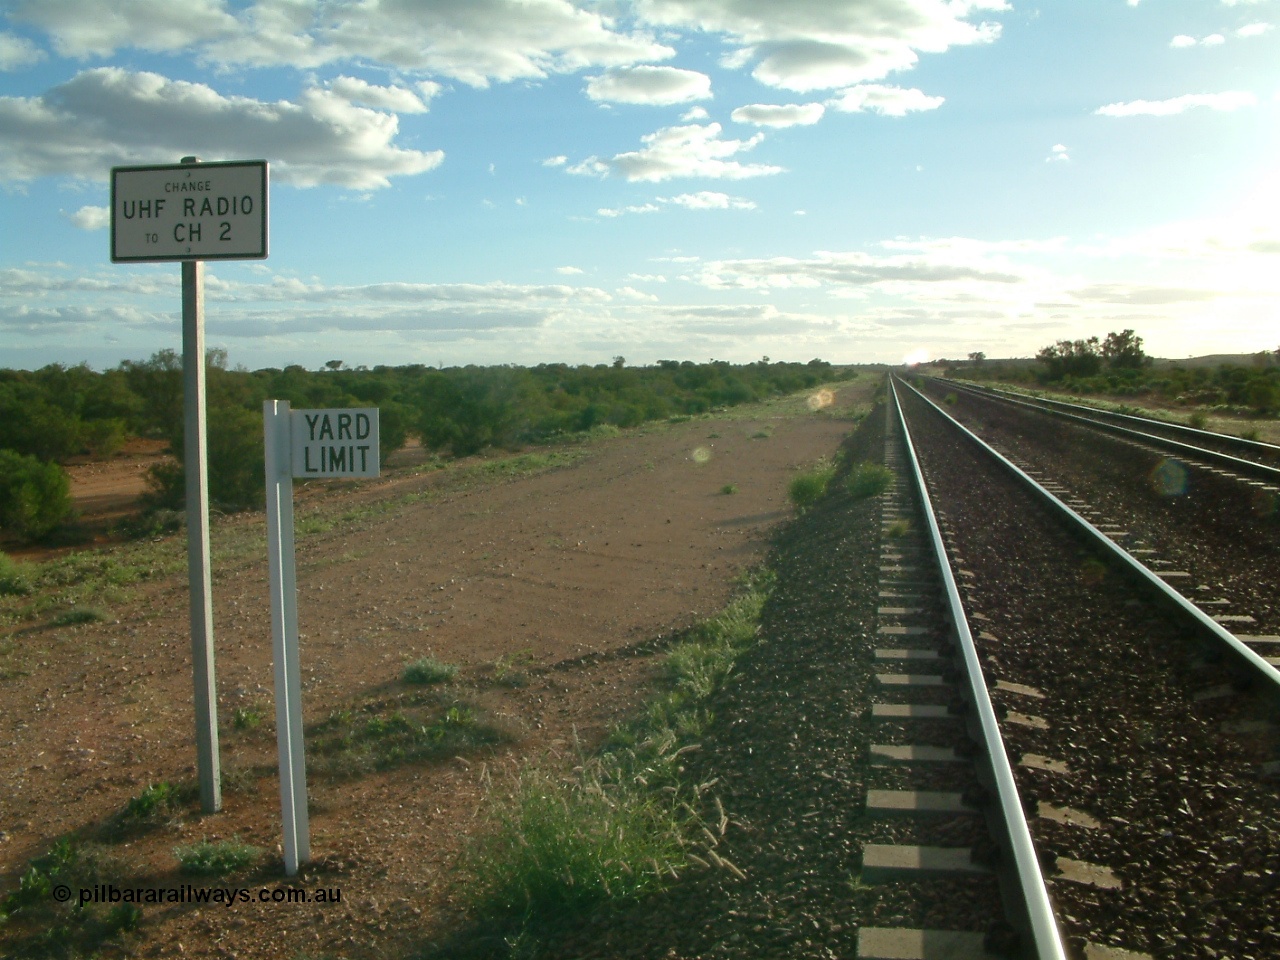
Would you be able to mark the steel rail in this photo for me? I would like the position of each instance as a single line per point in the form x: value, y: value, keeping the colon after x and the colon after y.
x: 1031, y: 896
x: 1177, y: 446
x: 1253, y: 662
x: 1258, y: 446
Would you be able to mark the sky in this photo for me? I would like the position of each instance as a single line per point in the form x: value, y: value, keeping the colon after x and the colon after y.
x: 530, y: 181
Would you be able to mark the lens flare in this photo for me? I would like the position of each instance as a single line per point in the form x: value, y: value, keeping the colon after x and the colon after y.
x: 700, y: 455
x: 823, y: 398
x: 1169, y: 478
x: 916, y: 357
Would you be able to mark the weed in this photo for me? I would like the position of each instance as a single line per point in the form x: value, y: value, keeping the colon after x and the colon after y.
x: 14, y: 581
x: 868, y: 480
x: 247, y: 718
x: 346, y: 745
x: 1250, y: 434
x: 729, y: 488
x: 807, y: 488
x: 428, y: 670
x: 899, y: 528
x: 216, y: 858
x: 1199, y: 420
x: 507, y: 670
x: 155, y: 799
x: 950, y: 399
x: 38, y: 925
x: 78, y: 615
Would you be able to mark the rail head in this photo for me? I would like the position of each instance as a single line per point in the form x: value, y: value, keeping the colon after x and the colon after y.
x: 1034, y: 898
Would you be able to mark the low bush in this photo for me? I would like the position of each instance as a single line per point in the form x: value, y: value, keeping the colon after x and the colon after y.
x: 807, y: 488
x: 35, y: 497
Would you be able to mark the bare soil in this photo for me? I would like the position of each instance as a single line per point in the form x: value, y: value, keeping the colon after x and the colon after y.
x: 549, y: 590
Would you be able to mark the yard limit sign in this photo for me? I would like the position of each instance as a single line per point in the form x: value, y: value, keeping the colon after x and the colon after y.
x: 191, y: 212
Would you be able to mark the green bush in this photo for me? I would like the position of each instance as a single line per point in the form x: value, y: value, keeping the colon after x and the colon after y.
x: 868, y: 480
x: 35, y: 497
x: 236, y: 470
x: 808, y: 487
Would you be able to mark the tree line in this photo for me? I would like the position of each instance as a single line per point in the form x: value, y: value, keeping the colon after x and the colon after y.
x: 50, y: 415
x: 1118, y: 365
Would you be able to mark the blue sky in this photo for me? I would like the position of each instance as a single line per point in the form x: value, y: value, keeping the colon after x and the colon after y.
x: 526, y: 181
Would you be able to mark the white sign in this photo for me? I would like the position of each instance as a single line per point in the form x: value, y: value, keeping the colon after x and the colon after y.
x: 334, y: 443
x: 189, y: 211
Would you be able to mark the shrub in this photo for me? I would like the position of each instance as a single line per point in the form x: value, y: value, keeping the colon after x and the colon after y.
x: 35, y: 497
x: 808, y: 487
x: 868, y: 480
x: 1199, y: 420
x: 729, y: 488
x: 428, y: 670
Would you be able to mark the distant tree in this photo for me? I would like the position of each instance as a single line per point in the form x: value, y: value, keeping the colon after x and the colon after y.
x: 977, y: 358
x: 619, y: 362
x: 1123, y: 351
x: 1071, y: 358
x: 333, y: 365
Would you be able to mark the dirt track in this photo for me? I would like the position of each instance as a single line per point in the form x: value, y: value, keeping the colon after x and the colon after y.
x: 558, y: 577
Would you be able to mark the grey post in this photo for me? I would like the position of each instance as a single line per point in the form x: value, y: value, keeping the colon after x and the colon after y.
x: 197, y: 479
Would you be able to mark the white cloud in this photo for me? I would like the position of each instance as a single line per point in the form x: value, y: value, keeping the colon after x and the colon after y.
x: 108, y: 116
x: 1183, y: 41
x: 17, y: 52
x: 91, y: 218
x: 695, y: 113
x: 1229, y: 101
x: 395, y: 99
x: 1241, y: 3
x: 569, y: 271
x: 1254, y: 29
x: 84, y: 28
x: 779, y: 115
x: 634, y: 208
x: 631, y: 293
x: 709, y: 200
x: 476, y: 42
x: 1058, y: 154
x: 853, y: 269
x: 886, y: 101
x: 821, y: 44
x: 649, y: 85
x: 559, y: 161
x: 686, y: 151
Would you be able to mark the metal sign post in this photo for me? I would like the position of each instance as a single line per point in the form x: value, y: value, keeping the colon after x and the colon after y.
x: 192, y: 212
x: 284, y: 635
x: 301, y: 443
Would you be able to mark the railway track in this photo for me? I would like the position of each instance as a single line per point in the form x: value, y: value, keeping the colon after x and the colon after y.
x: 1237, y: 452
x: 1123, y: 741
x: 1210, y: 531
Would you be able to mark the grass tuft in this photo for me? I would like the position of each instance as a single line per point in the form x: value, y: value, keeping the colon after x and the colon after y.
x: 14, y: 579
x: 868, y: 480
x: 78, y: 615
x: 428, y: 670
x: 729, y: 488
x: 625, y: 822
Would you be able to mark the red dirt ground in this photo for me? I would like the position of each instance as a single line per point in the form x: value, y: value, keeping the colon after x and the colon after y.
x: 564, y: 573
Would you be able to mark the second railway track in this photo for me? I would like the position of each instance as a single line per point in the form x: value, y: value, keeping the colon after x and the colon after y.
x: 1143, y: 758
